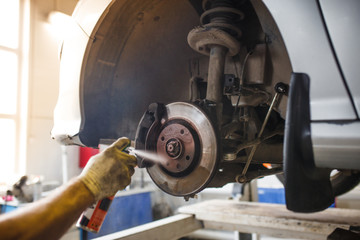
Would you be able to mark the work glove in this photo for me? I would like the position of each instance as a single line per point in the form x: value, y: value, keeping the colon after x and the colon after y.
x: 109, y: 171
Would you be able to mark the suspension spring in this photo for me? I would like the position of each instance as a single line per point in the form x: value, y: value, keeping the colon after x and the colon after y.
x: 219, y: 27
x: 222, y: 15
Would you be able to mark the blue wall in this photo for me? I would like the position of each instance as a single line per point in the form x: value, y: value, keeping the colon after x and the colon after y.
x: 271, y: 195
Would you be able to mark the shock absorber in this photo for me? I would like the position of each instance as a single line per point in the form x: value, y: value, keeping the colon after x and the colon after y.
x: 217, y: 38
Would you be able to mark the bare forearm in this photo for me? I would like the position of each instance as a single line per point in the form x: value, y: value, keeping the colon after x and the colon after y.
x: 48, y: 218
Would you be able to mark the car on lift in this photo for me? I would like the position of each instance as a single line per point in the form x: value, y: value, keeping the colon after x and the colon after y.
x: 225, y: 90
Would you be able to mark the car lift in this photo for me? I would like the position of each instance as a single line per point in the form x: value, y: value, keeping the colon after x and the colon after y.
x: 249, y: 217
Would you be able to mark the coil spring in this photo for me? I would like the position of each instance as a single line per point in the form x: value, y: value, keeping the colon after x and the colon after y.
x: 223, y: 15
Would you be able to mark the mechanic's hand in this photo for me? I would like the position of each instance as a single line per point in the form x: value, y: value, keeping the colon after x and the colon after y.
x: 109, y: 171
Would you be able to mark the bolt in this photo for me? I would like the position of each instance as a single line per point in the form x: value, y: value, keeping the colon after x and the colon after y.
x: 281, y: 87
x: 173, y: 148
x: 240, y: 178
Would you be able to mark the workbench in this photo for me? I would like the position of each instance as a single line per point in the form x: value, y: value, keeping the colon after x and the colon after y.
x: 246, y: 217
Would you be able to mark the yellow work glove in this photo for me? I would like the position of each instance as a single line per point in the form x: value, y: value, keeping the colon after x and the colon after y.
x: 109, y: 171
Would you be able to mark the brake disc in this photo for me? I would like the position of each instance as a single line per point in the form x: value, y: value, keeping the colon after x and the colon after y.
x: 185, y: 136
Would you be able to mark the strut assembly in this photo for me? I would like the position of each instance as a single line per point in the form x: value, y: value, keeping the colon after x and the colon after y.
x: 217, y: 37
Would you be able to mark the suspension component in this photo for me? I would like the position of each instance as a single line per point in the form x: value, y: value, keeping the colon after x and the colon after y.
x: 218, y: 37
x: 280, y: 88
x: 218, y: 28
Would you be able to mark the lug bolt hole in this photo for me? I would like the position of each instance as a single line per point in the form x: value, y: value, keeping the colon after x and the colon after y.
x: 162, y: 138
x: 187, y: 157
x: 182, y: 131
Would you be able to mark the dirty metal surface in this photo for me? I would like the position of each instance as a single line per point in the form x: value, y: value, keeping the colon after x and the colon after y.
x: 176, y: 142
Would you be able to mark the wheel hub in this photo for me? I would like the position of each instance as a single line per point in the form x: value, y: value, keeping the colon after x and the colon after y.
x: 179, y: 142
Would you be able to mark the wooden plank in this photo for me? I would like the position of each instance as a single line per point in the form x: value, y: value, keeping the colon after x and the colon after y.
x: 168, y: 228
x: 310, y: 230
x: 271, y: 219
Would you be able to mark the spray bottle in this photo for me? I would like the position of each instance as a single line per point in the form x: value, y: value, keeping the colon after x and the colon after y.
x: 93, y: 217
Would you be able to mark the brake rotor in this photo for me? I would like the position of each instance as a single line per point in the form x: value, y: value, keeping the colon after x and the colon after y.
x: 187, y: 139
